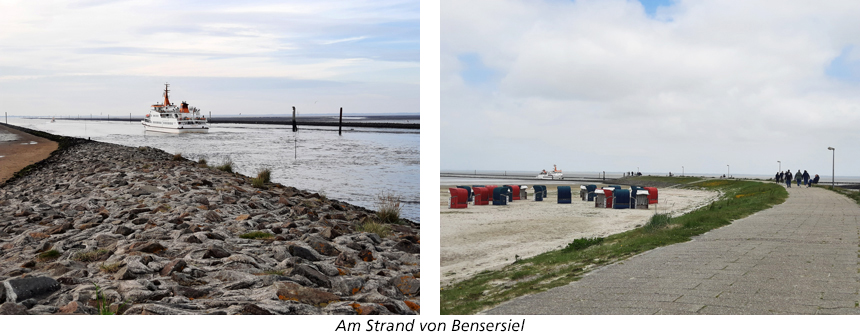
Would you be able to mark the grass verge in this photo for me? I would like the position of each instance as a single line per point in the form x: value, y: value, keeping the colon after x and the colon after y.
x: 560, y: 267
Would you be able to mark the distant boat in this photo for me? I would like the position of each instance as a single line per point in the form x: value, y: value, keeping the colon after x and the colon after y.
x: 555, y: 174
x: 52, y: 120
x: 169, y: 118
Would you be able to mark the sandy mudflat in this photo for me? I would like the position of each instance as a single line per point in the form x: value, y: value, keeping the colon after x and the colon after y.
x: 21, y: 150
x: 488, y: 237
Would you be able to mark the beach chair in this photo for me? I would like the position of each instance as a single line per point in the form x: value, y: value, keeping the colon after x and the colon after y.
x: 524, y: 195
x: 599, y: 199
x: 539, y: 191
x: 586, y: 192
x: 564, y: 194
x: 490, y: 190
x: 468, y: 189
x: 506, y: 191
x: 515, y: 192
x: 621, y: 199
x: 482, y: 196
x: 459, y: 198
x: 641, y: 200
x: 542, y: 189
x: 652, y: 194
x: 633, y: 192
x: 607, y: 199
x: 499, y: 197
x: 591, y: 189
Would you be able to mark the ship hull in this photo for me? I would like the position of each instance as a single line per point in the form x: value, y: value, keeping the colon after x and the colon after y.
x: 172, y: 130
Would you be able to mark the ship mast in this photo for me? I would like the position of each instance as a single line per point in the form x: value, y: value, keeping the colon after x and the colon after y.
x: 166, y: 99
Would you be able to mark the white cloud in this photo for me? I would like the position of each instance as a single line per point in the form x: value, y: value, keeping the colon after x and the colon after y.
x: 709, y: 82
x: 45, y: 41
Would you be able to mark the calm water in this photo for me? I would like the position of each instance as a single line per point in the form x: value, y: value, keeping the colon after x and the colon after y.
x: 355, y: 167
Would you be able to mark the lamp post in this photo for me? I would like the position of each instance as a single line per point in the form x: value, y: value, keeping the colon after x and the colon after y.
x: 728, y: 171
x: 682, y: 170
x: 833, y: 166
x: 780, y: 166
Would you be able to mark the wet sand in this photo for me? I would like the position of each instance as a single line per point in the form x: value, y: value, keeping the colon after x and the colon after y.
x: 20, y: 150
x: 489, y: 237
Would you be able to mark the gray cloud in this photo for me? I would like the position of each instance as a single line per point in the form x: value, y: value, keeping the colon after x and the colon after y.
x: 600, y: 85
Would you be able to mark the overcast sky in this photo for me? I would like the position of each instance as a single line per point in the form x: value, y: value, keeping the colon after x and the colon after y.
x: 614, y: 85
x: 229, y: 57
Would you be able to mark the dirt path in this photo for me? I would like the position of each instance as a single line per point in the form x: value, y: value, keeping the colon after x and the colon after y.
x: 19, y: 149
x: 489, y: 237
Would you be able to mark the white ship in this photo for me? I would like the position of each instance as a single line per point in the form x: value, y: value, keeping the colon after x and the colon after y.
x: 555, y: 174
x: 169, y: 118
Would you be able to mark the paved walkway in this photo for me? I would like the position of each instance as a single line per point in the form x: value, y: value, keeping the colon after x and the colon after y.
x: 800, y: 257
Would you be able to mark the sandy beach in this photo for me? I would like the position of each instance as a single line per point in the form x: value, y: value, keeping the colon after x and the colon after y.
x: 19, y: 149
x: 489, y: 237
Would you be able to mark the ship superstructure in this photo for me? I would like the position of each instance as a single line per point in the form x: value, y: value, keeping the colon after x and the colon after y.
x: 169, y: 118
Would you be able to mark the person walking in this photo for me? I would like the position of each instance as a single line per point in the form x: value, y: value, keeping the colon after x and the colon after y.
x: 806, y: 178
x: 776, y: 178
x: 788, y: 178
x: 781, y: 176
x: 798, y: 177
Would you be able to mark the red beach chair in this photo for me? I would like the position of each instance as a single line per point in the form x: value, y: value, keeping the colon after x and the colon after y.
x: 515, y: 189
x: 490, y: 189
x: 652, y: 194
x: 459, y: 198
x: 610, y: 200
x: 480, y: 196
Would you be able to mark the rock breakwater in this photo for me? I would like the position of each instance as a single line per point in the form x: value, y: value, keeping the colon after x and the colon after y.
x: 102, y: 227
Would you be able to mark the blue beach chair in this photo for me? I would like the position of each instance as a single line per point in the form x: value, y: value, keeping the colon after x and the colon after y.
x: 499, y: 197
x: 508, y: 192
x: 587, y: 192
x: 539, y: 192
x: 564, y: 194
x: 622, y: 199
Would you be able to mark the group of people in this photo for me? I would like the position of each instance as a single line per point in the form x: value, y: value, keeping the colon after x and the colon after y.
x: 799, y: 177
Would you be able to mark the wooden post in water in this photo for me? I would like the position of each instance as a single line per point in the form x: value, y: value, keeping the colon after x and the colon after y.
x: 340, y: 124
x: 295, y: 128
x: 129, y: 117
x: 7, y: 117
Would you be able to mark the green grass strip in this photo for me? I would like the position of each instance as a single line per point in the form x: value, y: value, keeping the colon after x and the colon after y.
x: 560, y: 267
